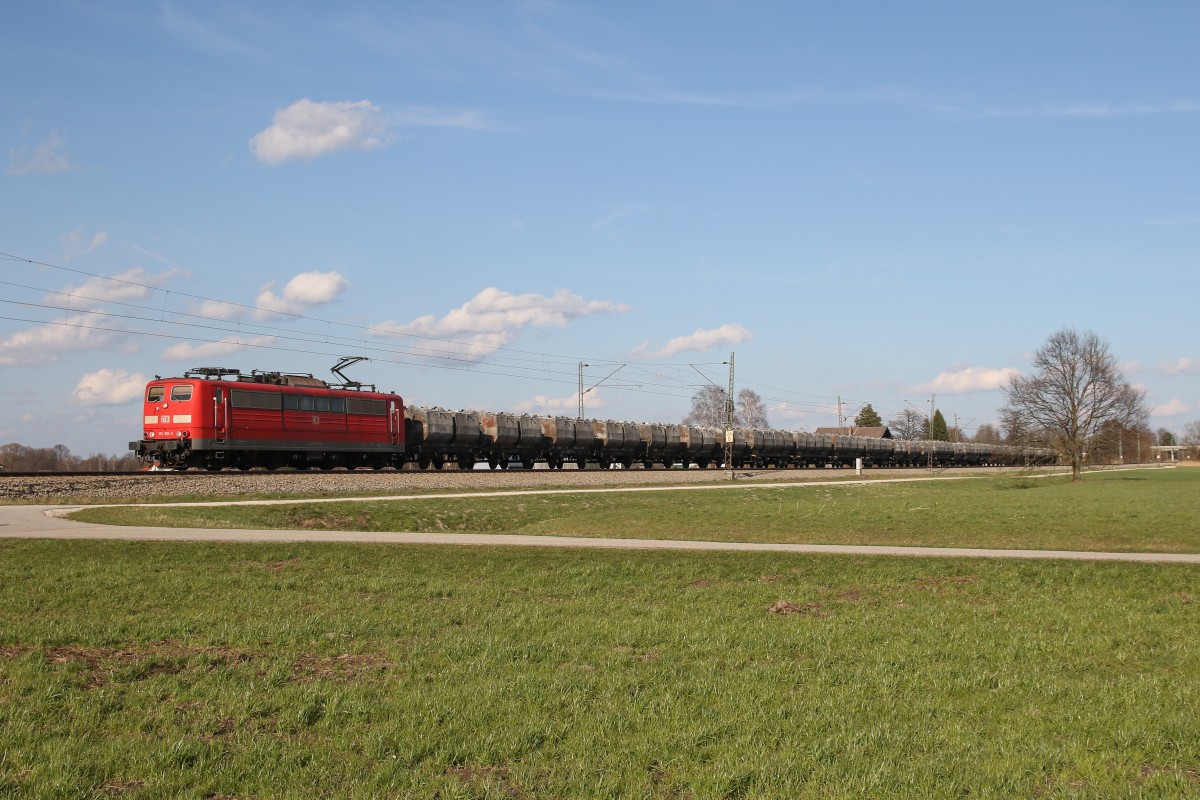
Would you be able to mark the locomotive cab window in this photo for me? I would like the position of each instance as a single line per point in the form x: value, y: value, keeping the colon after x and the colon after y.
x: 181, y: 393
x: 322, y: 403
x: 291, y: 402
x: 306, y: 402
x: 155, y: 394
x: 355, y: 405
x: 337, y: 405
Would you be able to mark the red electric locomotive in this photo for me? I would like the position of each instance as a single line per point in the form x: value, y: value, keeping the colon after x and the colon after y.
x: 213, y: 418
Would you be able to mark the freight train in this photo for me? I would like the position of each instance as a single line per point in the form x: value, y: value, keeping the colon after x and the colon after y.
x: 213, y: 418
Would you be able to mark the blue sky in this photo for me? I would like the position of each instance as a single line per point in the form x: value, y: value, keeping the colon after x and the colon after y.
x: 875, y: 201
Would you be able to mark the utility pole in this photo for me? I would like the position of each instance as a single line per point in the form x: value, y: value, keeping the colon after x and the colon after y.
x: 581, y: 366
x: 841, y: 417
x: 931, y: 410
x: 583, y: 391
x: 729, y: 422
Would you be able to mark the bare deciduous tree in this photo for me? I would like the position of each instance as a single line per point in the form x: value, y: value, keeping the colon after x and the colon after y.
x: 1191, y: 439
x: 1191, y: 435
x: 909, y: 425
x: 1076, y: 387
x: 708, y: 408
x: 987, y: 434
x: 751, y: 411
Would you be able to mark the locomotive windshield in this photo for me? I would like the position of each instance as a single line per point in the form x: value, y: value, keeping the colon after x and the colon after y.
x: 181, y: 392
x: 154, y: 394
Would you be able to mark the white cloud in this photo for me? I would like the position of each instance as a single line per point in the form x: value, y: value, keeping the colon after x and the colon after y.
x: 966, y: 380
x: 494, y: 318
x: 541, y: 404
x: 1178, y: 366
x: 46, y: 158
x: 128, y: 286
x: 788, y: 414
x: 106, y: 387
x: 55, y: 338
x: 306, y: 130
x: 729, y: 333
x: 219, y: 309
x: 73, y: 243
x: 301, y: 294
x: 1171, y: 408
x: 230, y: 344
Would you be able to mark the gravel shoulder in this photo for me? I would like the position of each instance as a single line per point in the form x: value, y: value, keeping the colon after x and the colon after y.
x: 140, y: 487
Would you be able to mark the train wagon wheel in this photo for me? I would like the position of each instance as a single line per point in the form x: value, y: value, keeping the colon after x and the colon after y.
x: 423, y: 461
x: 627, y: 462
x: 493, y: 461
x: 581, y: 462
x: 605, y: 462
x: 503, y: 462
x: 702, y: 463
x: 647, y: 464
x: 466, y: 461
x: 439, y: 462
x: 527, y: 462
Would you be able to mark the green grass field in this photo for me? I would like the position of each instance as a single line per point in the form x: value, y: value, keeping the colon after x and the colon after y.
x: 1149, y: 510
x: 155, y: 670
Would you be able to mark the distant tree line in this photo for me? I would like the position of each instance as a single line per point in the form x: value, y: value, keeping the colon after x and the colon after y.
x: 1076, y: 401
x: 59, y: 458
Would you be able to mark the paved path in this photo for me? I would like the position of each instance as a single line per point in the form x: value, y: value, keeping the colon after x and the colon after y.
x: 45, y: 522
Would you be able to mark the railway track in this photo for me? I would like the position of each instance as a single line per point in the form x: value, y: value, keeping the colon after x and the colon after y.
x: 92, y: 487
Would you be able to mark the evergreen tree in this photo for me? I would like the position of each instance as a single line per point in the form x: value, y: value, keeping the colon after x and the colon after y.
x: 938, y: 432
x: 868, y: 418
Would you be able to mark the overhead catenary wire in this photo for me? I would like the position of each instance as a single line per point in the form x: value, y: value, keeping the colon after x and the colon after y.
x: 665, y: 379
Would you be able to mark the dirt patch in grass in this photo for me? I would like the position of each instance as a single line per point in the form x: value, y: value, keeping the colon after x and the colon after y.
x: 267, y: 566
x: 346, y: 668
x: 484, y: 778
x: 1148, y: 771
x: 133, y: 662
x: 803, y: 609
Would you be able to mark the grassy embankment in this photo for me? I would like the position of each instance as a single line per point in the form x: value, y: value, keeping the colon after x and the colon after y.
x: 140, y: 670
x: 1151, y: 510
